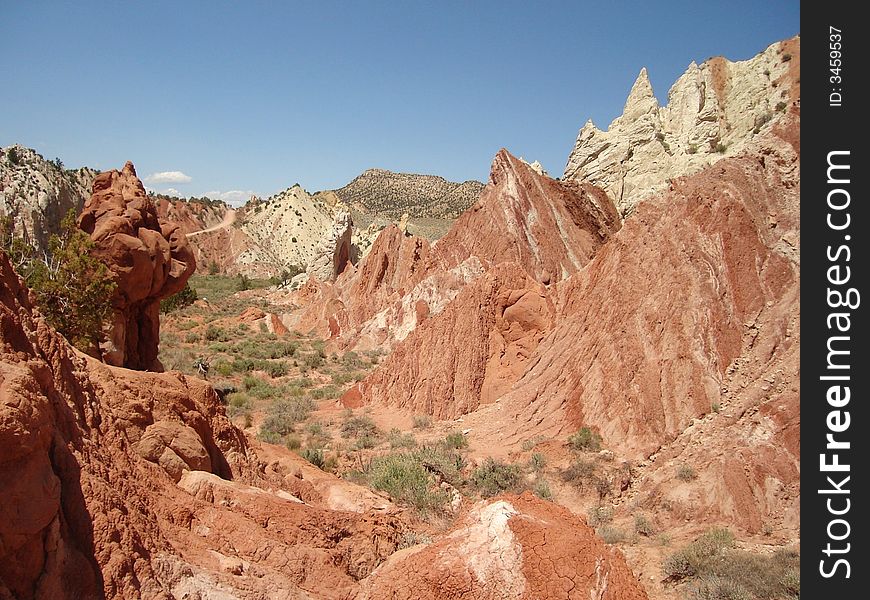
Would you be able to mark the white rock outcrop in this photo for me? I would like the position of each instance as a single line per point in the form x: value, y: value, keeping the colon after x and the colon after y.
x: 713, y: 110
x: 334, y: 250
x: 36, y: 193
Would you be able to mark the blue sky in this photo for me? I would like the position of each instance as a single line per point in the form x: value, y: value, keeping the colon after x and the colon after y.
x: 256, y: 96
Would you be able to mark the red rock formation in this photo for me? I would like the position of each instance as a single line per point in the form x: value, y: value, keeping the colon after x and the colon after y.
x: 190, y: 216
x: 697, y: 280
x: 150, y: 259
x: 89, y: 459
x: 508, y: 548
x: 548, y: 227
x: 468, y: 354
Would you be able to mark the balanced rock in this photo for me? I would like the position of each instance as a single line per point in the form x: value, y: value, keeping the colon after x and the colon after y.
x: 149, y: 258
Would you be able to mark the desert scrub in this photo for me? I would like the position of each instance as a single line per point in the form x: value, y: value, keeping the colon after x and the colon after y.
x: 585, y: 440
x: 359, y: 426
x: 494, y: 477
x: 542, y: 490
x: 611, y: 535
x: 456, y: 440
x: 643, y: 526
x: 686, y: 472
x: 407, y: 481
x: 537, y: 462
x: 422, y: 421
x: 581, y: 473
x: 599, y: 515
x: 714, y: 570
x: 282, y: 417
x: 698, y: 556
x: 398, y: 439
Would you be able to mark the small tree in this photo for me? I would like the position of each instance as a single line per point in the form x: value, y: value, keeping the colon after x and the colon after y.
x: 12, y: 155
x: 73, y: 288
x: 184, y: 297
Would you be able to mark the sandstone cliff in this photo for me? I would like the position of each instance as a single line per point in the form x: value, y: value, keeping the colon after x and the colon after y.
x: 149, y: 258
x: 714, y: 110
x: 37, y: 194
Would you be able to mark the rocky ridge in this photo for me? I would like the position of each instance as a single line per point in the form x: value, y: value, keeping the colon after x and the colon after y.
x: 714, y: 110
x: 390, y: 194
x: 404, y: 279
x: 37, y: 193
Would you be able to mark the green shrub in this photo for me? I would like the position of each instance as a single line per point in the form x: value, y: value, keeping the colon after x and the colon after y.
x: 359, y: 426
x: 538, y: 461
x: 456, y: 440
x: 643, y: 526
x: 598, y: 515
x: 698, y: 556
x: 781, y: 106
x: 422, y: 421
x: 366, y: 442
x: 693, y: 149
x: 191, y: 338
x: 405, y: 479
x: 314, y: 456
x: 686, y: 472
x: 580, y: 472
x: 294, y: 442
x: 542, y: 490
x: 326, y: 391
x: 275, y: 368
x: 72, y: 287
x: 398, y: 439
x: 585, y: 440
x: 216, y: 334
x: 494, y: 477
x: 184, y: 297
x: 282, y: 417
x: 611, y: 535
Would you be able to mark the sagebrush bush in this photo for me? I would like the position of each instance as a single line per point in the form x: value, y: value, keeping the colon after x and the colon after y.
x: 422, y: 421
x: 282, y: 418
x: 585, y: 440
x: 686, y: 472
x: 494, y: 477
x: 697, y: 556
x: 406, y: 480
x: 456, y: 440
x: 359, y: 426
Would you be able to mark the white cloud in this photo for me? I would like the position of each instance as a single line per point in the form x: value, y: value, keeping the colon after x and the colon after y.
x: 233, y: 197
x: 169, y: 177
x: 172, y: 192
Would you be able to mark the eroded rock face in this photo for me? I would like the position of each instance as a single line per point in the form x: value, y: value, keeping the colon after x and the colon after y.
x: 550, y: 228
x: 37, y: 193
x: 547, y: 228
x: 89, y: 459
x: 714, y: 110
x: 334, y: 251
x: 149, y: 258
x: 470, y: 353
x: 508, y: 548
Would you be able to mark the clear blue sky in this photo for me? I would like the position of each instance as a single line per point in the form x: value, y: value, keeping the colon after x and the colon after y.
x: 255, y: 96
